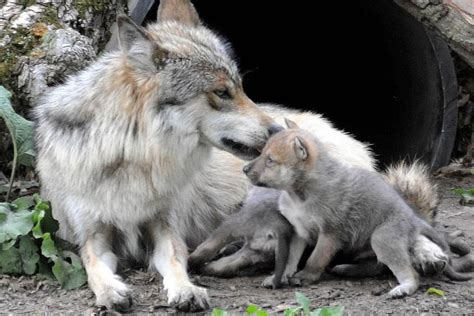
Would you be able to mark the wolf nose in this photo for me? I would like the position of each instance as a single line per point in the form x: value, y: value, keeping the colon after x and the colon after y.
x: 246, y: 168
x: 275, y: 128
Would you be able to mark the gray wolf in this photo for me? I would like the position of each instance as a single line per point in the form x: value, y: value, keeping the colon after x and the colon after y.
x: 141, y: 153
x: 265, y: 232
x: 342, y: 209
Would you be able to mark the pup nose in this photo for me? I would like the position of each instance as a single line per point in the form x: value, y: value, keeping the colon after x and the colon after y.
x: 275, y: 128
x: 246, y: 168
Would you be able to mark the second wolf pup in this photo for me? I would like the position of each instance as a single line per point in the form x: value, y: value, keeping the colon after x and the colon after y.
x: 342, y: 209
x: 265, y: 232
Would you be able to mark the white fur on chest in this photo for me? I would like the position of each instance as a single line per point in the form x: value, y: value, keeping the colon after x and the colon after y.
x: 295, y: 211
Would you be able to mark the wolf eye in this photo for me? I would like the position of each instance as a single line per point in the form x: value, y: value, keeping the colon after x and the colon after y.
x: 224, y: 94
x: 270, y: 161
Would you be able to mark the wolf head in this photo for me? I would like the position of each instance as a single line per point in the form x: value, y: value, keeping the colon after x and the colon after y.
x: 285, y: 159
x: 196, y: 84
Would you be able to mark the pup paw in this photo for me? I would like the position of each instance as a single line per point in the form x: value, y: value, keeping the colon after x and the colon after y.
x: 305, y: 277
x: 402, y: 290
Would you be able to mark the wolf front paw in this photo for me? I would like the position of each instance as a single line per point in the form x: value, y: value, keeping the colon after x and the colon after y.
x: 115, y: 295
x: 189, y: 298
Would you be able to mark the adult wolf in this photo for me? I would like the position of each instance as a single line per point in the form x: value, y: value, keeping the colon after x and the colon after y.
x: 134, y: 152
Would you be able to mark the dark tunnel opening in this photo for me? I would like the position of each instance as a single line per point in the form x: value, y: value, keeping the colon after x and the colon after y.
x: 368, y: 66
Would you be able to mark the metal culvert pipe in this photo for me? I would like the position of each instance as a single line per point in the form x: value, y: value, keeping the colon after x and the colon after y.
x: 368, y: 66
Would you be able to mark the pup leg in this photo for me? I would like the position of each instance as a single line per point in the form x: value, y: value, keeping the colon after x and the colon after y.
x: 392, y: 250
x: 170, y: 259
x: 297, y: 247
x: 208, y: 250
x: 101, y: 264
x: 364, y: 269
x: 321, y: 256
x: 230, y: 266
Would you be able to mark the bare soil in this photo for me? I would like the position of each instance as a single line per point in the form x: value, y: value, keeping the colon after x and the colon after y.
x: 39, y: 294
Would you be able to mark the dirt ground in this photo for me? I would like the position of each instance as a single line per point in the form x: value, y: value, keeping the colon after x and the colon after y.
x: 358, y: 296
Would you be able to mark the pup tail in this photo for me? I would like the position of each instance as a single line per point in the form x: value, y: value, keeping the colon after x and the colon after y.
x: 454, y: 275
x: 413, y: 182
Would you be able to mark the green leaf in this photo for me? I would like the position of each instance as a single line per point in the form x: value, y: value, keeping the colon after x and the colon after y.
x: 329, y: 311
x: 37, y: 216
x: 75, y: 273
x: 29, y: 255
x: 48, y: 248
x: 435, y: 291
x: 23, y: 203
x: 251, y: 309
x: 219, y: 312
x: 20, y: 129
x: 10, y: 261
x: 303, y: 300
x: 14, y: 224
x: 261, y: 312
x: 292, y: 311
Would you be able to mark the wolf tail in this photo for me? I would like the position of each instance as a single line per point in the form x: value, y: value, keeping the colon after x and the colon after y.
x: 415, y: 185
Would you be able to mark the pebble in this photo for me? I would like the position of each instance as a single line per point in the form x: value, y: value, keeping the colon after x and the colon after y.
x: 451, y: 304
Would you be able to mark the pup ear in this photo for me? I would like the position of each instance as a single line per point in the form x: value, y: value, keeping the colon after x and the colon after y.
x: 129, y: 33
x: 290, y: 124
x: 181, y: 11
x: 300, y: 148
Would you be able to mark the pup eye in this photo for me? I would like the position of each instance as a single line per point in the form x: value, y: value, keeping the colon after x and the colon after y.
x: 224, y: 94
x: 270, y: 161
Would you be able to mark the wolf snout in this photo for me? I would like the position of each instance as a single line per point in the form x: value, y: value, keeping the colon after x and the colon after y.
x: 274, y: 128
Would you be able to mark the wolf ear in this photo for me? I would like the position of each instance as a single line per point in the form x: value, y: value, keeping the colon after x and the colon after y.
x: 300, y: 148
x: 129, y: 32
x: 181, y: 11
x: 290, y: 124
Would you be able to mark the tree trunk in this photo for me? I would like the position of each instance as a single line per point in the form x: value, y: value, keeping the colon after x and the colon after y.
x: 453, y: 19
x: 44, y: 41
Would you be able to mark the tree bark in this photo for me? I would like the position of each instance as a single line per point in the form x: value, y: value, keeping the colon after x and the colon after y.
x: 44, y: 41
x: 453, y: 19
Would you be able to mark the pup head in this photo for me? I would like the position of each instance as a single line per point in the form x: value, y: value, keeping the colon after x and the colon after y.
x: 189, y: 76
x: 286, y: 157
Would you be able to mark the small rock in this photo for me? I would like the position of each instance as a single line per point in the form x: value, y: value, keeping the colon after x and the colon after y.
x: 232, y: 288
x: 452, y: 304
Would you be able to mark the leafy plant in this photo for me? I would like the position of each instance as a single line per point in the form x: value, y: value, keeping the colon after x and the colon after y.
x: 467, y: 196
x: 435, y: 291
x: 302, y: 309
x: 253, y: 309
x: 21, y: 132
x: 27, y: 228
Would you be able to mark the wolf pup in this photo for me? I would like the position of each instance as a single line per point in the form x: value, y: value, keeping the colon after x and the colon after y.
x: 341, y: 209
x: 266, y: 234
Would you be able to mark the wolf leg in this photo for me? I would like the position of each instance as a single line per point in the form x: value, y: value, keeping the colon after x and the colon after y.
x: 101, y: 264
x: 392, y: 250
x: 170, y: 259
x: 369, y: 268
x: 319, y: 259
x: 297, y: 247
x: 206, y: 251
x: 231, y: 265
